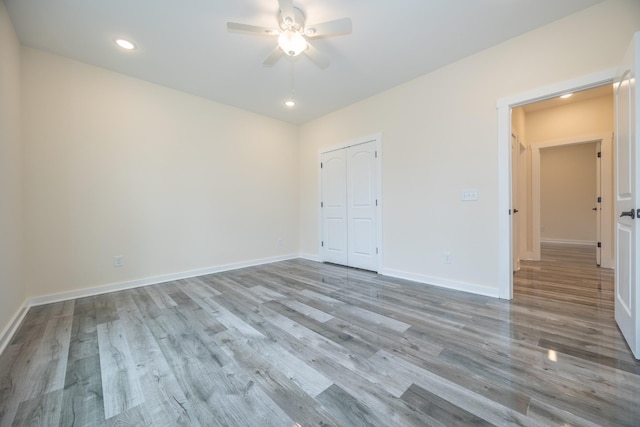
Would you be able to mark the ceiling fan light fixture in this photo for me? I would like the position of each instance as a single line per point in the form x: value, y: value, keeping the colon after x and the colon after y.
x: 292, y: 42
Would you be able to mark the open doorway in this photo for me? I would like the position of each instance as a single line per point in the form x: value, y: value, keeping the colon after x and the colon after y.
x: 562, y: 189
x: 504, y: 109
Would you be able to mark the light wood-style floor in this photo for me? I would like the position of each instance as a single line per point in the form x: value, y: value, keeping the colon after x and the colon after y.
x: 299, y: 343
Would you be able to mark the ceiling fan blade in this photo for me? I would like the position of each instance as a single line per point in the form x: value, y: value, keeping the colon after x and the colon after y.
x: 273, y: 58
x: 317, y: 57
x: 286, y: 9
x: 330, y: 28
x: 245, y: 28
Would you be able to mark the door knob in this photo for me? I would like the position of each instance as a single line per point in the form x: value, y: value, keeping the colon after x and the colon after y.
x: 631, y: 213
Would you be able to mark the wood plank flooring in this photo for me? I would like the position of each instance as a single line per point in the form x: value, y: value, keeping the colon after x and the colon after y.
x: 299, y: 343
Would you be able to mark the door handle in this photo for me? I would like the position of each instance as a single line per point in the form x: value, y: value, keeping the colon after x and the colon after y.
x: 515, y: 211
x: 594, y: 209
x: 631, y: 213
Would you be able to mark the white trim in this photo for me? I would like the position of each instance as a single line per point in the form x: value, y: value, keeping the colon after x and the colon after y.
x: 377, y: 138
x: 310, y: 257
x: 442, y: 283
x: 505, y: 259
x: 568, y: 242
x: 63, y: 296
x: 504, y: 106
x: 358, y: 141
x: 551, y: 91
x: 12, y: 327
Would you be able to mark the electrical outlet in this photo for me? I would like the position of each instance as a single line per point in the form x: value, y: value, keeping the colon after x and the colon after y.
x: 118, y: 261
x: 446, y: 258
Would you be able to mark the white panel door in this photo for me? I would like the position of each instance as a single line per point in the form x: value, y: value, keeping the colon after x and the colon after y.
x: 515, y: 226
x: 627, y: 298
x: 361, y: 202
x: 598, y: 199
x: 334, y: 207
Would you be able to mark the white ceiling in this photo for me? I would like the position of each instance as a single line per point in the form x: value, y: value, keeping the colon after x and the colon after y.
x: 184, y: 44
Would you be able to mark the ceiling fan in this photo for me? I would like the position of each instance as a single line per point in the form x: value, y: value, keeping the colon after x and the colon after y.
x: 293, y: 34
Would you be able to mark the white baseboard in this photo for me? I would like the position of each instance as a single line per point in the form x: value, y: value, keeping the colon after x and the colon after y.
x: 443, y: 283
x: 568, y: 242
x: 10, y: 330
x: 310, y: 257
x: 12, y: 327
x: 64, y: 296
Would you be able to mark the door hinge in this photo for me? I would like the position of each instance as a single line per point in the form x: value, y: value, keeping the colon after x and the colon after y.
x: 599, y: 199
x: 509, y: 211
x: 376, y: 202
x: 376, y: 153
x: 320, y: 165
x: 322, y: 204
x: 322, y: 243
x: 376, y: 251
x: 599, y: 244
x: 599, y: 154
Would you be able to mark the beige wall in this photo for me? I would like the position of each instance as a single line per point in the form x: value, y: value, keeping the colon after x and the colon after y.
x: 567, y: 193
x: 12, y: 292
x: 518, y: 122
x: 439, y: 137
x: 590, y: 117
x: 172, y: 182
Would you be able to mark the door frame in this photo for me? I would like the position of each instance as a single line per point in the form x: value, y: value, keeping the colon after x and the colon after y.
x: 606, y: 147
x: 504, y: 107
x: 377, y: 139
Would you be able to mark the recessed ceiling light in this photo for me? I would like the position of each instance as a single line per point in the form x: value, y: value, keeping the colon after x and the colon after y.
x: 125, y: 44
x: 566, y: 95
x: 290, y: 103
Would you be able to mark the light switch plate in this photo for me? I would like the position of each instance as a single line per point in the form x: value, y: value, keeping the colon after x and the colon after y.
x: 469, y: 195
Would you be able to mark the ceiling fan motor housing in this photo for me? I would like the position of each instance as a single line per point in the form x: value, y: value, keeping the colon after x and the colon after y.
x: 295, y: 22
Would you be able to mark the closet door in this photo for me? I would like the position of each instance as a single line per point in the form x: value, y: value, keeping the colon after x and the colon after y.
x: 334, y: 207
x: 361, y: 206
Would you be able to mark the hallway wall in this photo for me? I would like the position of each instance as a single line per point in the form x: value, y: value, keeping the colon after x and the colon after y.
x: 568, y: 194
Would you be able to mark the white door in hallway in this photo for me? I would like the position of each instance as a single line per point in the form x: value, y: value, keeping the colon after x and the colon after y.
x: 627, y: 297
x: 515, y: 225
x: 350, y: 207
x: 598, y: 203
